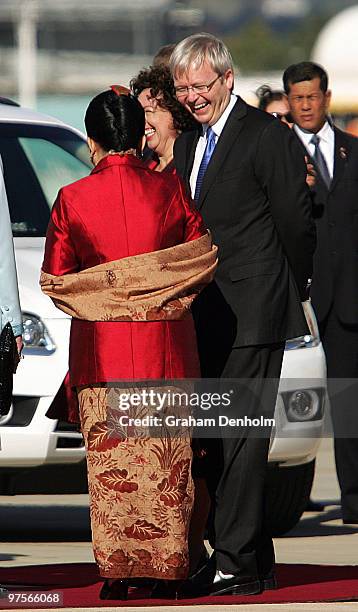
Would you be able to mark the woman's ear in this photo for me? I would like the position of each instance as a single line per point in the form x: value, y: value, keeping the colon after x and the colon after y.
x: 91, y: 144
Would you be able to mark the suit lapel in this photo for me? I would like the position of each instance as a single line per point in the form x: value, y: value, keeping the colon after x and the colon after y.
x: 224, y: 144
x: 341, y: 152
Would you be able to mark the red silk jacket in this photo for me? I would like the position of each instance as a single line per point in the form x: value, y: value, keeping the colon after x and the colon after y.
x: 121, y: 209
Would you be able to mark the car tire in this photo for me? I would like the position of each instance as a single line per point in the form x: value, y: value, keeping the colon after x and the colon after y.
x: 288, y: 492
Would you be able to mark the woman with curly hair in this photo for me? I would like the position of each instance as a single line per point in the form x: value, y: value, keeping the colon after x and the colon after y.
x: 165, y: 117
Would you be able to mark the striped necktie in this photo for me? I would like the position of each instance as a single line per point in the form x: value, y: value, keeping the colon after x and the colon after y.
x: 320, y: 160
x: 210, y: 146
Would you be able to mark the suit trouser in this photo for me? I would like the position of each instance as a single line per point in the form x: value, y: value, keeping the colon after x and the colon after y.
x: 238, y: 466
x: 340, y: 343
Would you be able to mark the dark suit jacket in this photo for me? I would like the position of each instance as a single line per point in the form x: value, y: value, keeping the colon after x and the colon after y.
x: 255, y: 201
x: 335, y: 264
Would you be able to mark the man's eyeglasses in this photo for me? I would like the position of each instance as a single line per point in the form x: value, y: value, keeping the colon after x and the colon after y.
x: 284, y: 117
x: 200, y: 89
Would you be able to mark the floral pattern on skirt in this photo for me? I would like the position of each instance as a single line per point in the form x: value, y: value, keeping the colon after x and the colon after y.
x: 141, y: 490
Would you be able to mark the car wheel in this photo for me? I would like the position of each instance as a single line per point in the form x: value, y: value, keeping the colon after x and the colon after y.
x: 288, y: 491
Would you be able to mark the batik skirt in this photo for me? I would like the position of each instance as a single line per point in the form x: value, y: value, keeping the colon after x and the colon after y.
x: 140, y: 486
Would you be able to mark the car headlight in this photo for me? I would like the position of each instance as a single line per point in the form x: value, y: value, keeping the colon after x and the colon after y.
x: 309, y: 340
x: 36, y: 338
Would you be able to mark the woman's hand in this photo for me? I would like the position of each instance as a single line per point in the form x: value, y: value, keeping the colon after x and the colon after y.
x: 19, y: 344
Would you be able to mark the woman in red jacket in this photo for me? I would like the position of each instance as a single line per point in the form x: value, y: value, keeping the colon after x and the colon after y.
x: 114, y: 239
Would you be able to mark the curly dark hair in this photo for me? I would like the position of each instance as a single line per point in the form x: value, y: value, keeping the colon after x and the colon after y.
x: 160, y: 82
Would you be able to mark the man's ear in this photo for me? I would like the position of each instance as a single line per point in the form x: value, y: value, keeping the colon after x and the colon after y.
x: 229, y: 79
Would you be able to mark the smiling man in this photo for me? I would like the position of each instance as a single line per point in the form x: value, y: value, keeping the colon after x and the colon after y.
x: 335, y: 279
x: 246, y: 173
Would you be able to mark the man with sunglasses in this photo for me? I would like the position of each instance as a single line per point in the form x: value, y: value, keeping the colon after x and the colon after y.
x: 246, y: 173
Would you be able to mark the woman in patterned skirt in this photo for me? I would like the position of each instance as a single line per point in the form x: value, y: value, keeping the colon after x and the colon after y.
x: 125, y: 255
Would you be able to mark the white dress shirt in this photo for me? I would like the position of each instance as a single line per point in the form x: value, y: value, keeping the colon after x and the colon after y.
x: 201, y: 144
x: 326, y: 143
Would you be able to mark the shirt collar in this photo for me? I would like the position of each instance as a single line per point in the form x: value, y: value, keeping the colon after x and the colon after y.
x: 220, y: 124
x: 325, y: 134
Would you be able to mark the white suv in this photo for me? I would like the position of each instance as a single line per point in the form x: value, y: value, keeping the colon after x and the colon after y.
x: 40, y: 154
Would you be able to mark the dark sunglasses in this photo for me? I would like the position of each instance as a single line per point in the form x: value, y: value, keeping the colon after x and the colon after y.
x: 284, y: 117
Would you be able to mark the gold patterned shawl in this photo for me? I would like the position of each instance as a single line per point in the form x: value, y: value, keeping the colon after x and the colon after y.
x: 155, y: 286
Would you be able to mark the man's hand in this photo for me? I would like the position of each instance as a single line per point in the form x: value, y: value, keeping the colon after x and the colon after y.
x: 311, y: 173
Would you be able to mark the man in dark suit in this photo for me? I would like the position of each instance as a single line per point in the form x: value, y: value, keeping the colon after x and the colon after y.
x: 335, y: 269
x: 247, y: 175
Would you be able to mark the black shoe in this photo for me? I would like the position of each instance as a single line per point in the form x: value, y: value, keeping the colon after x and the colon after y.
x: 114, y: 589
x: 203, y: 583
x: 268, y: 581
x: 141, y: 583
x: 166, y: 589
x: 237, y: 585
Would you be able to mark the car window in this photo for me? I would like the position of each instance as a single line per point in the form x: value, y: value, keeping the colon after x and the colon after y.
x: 38, y: 160
x: 53, y: 165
